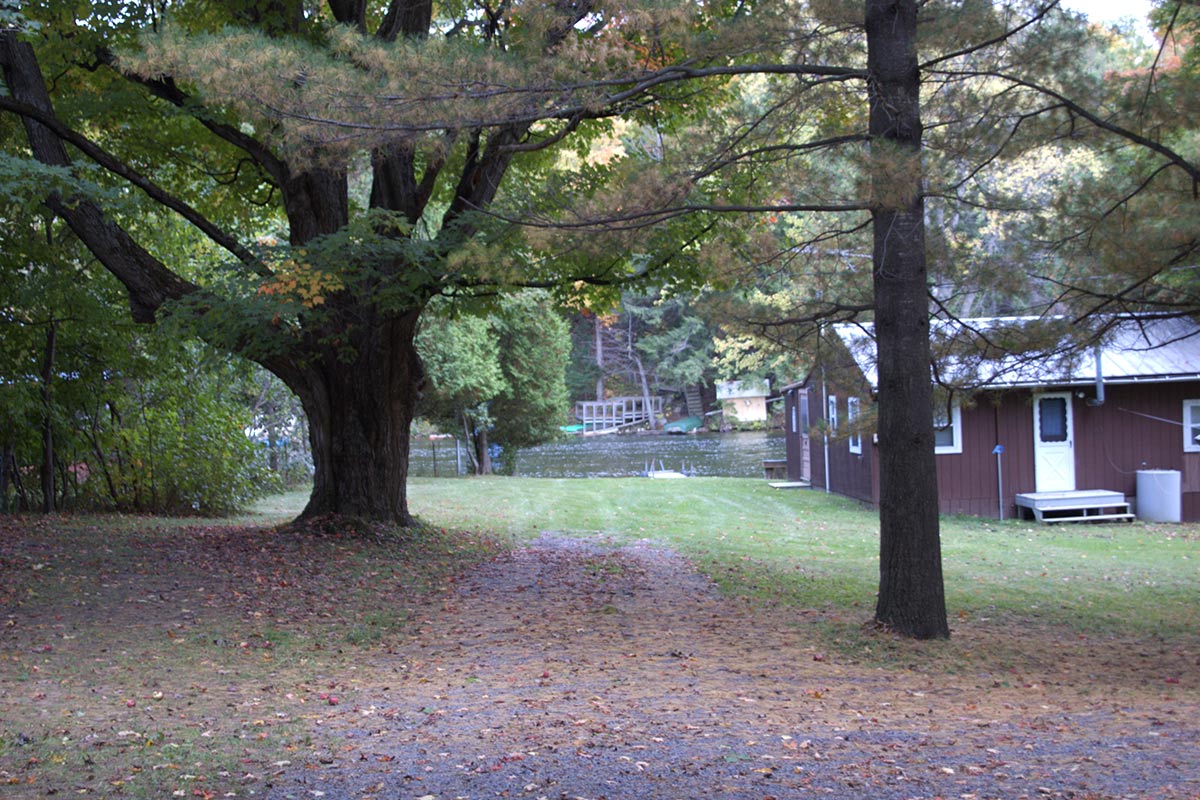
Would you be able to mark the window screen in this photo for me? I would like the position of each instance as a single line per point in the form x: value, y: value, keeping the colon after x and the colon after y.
x: 1052, y: 419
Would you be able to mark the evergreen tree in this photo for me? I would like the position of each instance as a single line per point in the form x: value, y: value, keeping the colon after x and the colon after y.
x: 498, y: 378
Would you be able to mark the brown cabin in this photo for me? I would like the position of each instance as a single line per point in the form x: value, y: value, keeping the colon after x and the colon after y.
x: 1090, y: 430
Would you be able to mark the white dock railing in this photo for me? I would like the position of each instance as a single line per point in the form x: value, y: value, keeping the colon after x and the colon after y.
x: 616, y: 412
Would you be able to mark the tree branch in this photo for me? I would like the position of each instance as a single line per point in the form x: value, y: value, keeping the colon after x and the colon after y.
x: 149, y: 283
x: 166, y: 89
x: 589, y: 108
x: 975, y: 47
x: 1192, y: 170
x: 649, y: 217
x: 97, y: 154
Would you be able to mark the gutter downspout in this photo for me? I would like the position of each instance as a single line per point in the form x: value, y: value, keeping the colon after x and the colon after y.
x: 825, y: 435
x: 1099, y: 399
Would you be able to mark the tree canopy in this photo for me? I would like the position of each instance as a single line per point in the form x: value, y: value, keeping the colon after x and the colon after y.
x: 342, y: 164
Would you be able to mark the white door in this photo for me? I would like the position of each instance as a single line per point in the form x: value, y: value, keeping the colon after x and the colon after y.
x: 1053, y: 442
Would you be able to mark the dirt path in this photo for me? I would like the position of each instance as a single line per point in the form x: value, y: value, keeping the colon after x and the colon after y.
x: 571, y: 669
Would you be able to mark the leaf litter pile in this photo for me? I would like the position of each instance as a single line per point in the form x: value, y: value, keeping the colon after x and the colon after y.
x: 144, y: 661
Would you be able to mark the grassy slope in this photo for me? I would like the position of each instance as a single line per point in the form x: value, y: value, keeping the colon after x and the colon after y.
x: 820, y: 551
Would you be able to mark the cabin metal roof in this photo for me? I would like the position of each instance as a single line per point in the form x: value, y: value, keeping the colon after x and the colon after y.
x: 1135, y: 350
x: 737, y: 390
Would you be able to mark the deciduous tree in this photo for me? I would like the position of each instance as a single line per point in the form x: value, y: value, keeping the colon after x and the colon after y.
x: 379, y: 132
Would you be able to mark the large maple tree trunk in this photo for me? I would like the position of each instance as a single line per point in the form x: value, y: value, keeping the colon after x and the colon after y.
x: 359, y: 414
x: 911, y: 594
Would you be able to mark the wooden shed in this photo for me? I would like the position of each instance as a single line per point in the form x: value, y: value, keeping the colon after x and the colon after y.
x: 744, y: 401
x: 1085, y: 430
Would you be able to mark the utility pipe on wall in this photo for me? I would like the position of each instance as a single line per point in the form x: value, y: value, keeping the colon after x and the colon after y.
x: 999, y: 451
x: 1099, y: 399
x: 825, y: 436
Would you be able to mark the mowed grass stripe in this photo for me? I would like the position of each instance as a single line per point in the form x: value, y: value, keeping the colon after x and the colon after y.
x: 816, y: 550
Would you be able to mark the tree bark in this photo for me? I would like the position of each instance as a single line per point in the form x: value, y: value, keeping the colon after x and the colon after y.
x: 93, y: 436
x: 7, y: 468
x: 23, y: 503
x: 359, y: 413
x: 48, y: 419
x: 599, y: 359
x: 646, y: 400
x: 483, y: 452
x: 911, y: 594
x: 477, y: 445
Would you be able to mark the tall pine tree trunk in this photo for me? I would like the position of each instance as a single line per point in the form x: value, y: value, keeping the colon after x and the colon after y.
x: 911, y: 595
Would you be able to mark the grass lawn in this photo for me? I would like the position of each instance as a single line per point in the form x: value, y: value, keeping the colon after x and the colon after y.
x: 150, y: 657
x: 820, y: 551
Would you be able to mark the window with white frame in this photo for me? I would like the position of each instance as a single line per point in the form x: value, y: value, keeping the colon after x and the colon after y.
x: 947, y: 428
x: 1191, y: 426
x: 852, y: 422
x: 831, y: 419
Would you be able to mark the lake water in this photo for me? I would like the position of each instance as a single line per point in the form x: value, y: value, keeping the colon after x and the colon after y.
x: 708, y: 454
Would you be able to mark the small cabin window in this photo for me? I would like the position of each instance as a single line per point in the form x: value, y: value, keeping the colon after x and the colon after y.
x: 852, y: 422
x: 1191, y: 426
x: 831, y: 420
x: 947, y: 429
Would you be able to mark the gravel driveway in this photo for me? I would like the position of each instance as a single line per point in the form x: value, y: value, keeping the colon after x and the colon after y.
x: 577, y: 669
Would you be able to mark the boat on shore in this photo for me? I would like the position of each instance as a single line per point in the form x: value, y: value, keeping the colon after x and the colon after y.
x: 684, y: 425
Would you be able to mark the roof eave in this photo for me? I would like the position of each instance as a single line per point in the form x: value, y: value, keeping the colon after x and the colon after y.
x: 1082, y: 381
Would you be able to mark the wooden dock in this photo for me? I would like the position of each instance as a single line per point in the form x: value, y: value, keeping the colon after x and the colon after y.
x: 775, y: 469
x: 615, y: 413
